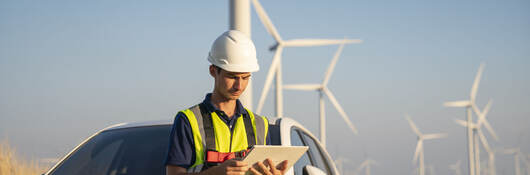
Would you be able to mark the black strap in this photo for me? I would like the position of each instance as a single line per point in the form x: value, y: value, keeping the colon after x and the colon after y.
x: 209, y: 133
x: 251, y: 138
x: 208, y: 128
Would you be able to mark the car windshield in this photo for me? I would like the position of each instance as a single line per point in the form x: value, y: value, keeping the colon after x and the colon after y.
x: 138, y: 150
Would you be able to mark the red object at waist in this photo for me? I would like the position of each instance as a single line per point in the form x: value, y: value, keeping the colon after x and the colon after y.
x: 219, y: 157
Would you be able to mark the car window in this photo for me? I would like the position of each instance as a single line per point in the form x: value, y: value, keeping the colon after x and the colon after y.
x: 304, y: 160
x: 316, y: 154
x: 130, y: 151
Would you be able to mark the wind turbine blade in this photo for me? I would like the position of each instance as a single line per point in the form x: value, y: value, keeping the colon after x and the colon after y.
x: 474, y: 88
x: 413, y: 126
x: 487, y: 107
x: 304, y: 87
x: 463, y: 103
x: 490, y: 130
x: 419, y: 146
x: 318, y: 42
x: 332, y: 65
x: 484, y: 141
x: 341, y: 111
x: 461, y: 122
x: 475, y: 109
x: 272, y: 70
x: 434, y: 136
x: 482, y: 120
x: 266, y: 21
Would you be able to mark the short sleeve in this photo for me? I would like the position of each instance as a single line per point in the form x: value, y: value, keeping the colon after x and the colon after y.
x: 181, y: 150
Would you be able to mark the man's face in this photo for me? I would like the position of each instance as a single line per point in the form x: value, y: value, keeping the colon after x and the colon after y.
x: 229, y: 85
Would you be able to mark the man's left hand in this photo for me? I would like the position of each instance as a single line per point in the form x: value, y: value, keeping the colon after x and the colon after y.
x: 268, y: 168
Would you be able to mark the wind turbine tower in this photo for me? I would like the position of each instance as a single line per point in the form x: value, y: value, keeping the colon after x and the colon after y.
x: 239, y: 19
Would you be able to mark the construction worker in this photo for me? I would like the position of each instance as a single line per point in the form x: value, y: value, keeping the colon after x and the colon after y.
x: 211, y: 137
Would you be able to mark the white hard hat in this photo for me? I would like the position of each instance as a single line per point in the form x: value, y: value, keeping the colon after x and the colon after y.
x: 234, y: 51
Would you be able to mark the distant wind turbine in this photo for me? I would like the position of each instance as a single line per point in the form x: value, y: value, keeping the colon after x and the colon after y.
x: 431, y: 169
x: 456, y: 167
x: 340, y: 164
x: 324, y: 90
x: 527, y: 163
x: 366, y: 164
x: 275, y: 67
x: 479, y: 135
x: 419, y: 146
x: 470, y: 105
x: 516, y: 152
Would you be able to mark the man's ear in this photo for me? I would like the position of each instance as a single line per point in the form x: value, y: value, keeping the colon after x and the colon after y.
x: 212, y: 71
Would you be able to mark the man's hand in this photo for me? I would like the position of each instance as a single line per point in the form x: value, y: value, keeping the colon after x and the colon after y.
x: 268, y: 168
x: 231, y: 167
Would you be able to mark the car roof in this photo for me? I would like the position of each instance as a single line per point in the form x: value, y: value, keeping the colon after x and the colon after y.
x: 138, y: 124
x: 271, y: 120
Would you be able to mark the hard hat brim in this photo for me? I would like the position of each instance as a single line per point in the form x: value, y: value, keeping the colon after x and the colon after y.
x: 234, y: 67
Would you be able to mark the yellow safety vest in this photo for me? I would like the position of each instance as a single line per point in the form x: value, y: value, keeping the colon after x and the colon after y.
x: 225, y: 141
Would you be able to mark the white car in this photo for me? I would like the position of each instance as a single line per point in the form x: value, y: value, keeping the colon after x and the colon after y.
x: 141, y: 148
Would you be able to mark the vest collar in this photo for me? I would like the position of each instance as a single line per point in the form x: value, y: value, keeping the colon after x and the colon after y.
x: 240, y: 110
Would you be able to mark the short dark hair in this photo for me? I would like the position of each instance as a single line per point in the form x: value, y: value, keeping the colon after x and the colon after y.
x: 217, y: 68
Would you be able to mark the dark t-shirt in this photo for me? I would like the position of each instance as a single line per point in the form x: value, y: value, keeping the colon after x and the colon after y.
x: 181, y: 149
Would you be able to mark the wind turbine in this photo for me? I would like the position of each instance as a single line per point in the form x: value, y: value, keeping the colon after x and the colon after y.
x: 322, y: 89
x: 275, y: 68
x: 470, y: 105
x: 419, y: 146
x: 527, y: 164
x: 479, y: 135
x: 366, y: 166
x: 340, y: 164
x: 431, y: 169
x: 456, y: 167
x: 516, y: 152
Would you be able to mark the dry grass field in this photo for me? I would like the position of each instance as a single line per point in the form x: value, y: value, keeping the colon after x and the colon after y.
x: 12, y: 164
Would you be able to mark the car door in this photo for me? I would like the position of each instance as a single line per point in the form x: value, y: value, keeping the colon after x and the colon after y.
x: 314, y: 156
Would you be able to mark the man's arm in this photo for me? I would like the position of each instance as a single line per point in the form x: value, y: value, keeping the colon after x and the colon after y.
x: 175, y: 170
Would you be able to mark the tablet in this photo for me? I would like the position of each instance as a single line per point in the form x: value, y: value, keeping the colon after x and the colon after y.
x: 277, y: 154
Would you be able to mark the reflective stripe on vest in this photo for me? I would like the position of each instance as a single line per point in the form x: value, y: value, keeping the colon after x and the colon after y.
x: 222, y: 134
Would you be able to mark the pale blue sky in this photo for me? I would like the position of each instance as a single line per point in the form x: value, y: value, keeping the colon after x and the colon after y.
x: 68, y: 69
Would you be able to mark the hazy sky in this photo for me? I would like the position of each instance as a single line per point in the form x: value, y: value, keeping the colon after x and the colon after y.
x: 68, y: 69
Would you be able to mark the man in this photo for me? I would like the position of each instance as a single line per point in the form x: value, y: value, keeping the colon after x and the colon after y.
x: 211, y: 137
